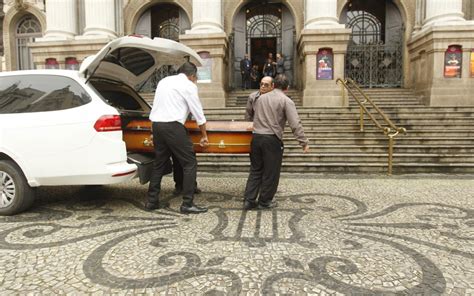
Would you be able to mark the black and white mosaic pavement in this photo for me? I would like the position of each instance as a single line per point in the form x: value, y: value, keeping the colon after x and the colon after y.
x: 328, y: 236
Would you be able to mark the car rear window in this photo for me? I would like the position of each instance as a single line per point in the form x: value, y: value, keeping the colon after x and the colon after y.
x: 39, y: 93
x: 135, y: 60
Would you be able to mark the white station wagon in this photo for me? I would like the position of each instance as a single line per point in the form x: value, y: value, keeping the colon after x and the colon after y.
x: 61, y: 127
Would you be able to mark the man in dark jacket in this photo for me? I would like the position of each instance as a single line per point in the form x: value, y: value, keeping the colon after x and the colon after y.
x: 245, y: 68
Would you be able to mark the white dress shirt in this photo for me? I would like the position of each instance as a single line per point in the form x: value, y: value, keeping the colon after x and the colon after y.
x: 175, y: 97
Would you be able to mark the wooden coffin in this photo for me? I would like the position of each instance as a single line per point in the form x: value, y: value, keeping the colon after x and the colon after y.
x: 224, y: 136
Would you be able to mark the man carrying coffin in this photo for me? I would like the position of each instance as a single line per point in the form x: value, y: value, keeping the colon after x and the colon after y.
x: 269, y: 110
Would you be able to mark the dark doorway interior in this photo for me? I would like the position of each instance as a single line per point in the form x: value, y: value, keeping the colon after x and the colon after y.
x: 260, y: 48
x: 165, y: 21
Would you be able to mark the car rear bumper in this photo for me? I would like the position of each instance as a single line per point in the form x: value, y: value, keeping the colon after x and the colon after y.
x: 113, y: 173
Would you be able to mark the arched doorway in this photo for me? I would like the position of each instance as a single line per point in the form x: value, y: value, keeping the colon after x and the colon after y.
x: 375, y: 53
x: 27, y: 30
x: 260, y: 28
x: 164, y: 21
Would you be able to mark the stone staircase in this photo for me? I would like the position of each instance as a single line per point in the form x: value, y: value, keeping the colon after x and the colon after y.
x: 239, y: 98
x: 438, y: 139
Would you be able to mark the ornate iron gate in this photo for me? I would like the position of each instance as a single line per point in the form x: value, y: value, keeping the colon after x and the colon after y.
x: 165, y: 24
x: 371, y: 60
x: 375, y: 65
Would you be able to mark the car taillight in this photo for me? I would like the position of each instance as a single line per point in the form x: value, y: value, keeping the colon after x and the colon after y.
x: 108, y: 123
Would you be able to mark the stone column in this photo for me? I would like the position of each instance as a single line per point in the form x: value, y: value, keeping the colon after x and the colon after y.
x: 100, y: 18
x: 207, y: 17
x: 211, y: 93
x: 321, y: 14
x: 419, y: 15
x: 61, y: 20
x: 443, y: 11
x: 322, y: 30
x: 207, y: 35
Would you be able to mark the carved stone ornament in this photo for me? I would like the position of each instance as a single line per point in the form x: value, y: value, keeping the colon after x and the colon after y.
x: 19, y: 4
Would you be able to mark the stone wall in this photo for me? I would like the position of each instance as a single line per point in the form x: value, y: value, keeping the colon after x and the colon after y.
x: 1, y: 29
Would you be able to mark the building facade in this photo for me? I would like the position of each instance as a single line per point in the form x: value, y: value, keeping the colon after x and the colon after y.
x: 424, y: 45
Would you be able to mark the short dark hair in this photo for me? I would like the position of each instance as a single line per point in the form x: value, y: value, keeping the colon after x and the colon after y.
x: 281, y: 81
x: 188, y: 69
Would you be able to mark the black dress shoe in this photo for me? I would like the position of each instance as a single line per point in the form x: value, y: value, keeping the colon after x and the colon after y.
x: 155, y: 206
x: 271, y: 205
x: 248, y: 205
x: 193, y: 209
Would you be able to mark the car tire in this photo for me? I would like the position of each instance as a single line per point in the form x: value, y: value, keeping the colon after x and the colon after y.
x: 15, y: 194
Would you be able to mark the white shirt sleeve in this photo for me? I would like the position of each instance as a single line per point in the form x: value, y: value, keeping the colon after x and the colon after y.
x: 194, y: 104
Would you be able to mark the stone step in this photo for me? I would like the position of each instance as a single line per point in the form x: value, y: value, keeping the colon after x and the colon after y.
x: 382, y: 105
x: 391, y: 116
x: 351, y: 118
x: 385, y: 94
x: 369, y: 126
x: 410, y: 149
x: 387, y: 90
x: 337, y: 110
x: 382, y: 140
x: 350, y: 157
x: 343, y: 167
x: 461, y: 133
x: 388, y: 100
x: 239, y: 98
x: 428, y: 120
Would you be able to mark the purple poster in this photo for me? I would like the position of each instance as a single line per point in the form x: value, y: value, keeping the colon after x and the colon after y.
x: 453, y: 62
x: 324, y: 64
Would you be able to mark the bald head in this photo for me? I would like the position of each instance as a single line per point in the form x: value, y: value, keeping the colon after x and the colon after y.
x: 266, y: 84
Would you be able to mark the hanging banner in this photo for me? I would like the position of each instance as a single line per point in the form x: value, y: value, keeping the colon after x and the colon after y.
x: 205, y: 71
x: 324, y: 64
x: 453, y: 62
x: 472, y: 63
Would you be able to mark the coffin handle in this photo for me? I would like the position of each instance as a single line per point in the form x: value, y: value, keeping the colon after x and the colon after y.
x: 222, y: 144
x: 147, y: 142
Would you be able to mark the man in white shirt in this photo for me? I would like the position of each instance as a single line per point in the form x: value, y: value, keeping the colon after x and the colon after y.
x: 175, y: 97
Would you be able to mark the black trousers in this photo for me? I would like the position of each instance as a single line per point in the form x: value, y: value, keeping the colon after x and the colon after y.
x: 246, y: 80
x: 178, y: 174
x: 171, y: 138
x: 266, y: 154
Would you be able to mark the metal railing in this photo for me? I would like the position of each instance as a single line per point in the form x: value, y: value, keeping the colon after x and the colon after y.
x: 391, y: 131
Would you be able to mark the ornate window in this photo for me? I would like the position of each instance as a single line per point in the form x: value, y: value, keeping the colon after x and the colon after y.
x: 27, y: 31
x: 264, y: 21
x: 169, y: 29
x: 264, y: 26
x: 366, y: 28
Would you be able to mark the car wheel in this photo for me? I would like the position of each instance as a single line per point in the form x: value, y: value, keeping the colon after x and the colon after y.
x: 15, y: 193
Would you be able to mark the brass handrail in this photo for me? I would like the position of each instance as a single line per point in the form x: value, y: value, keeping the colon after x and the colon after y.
x: 391, y: 131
